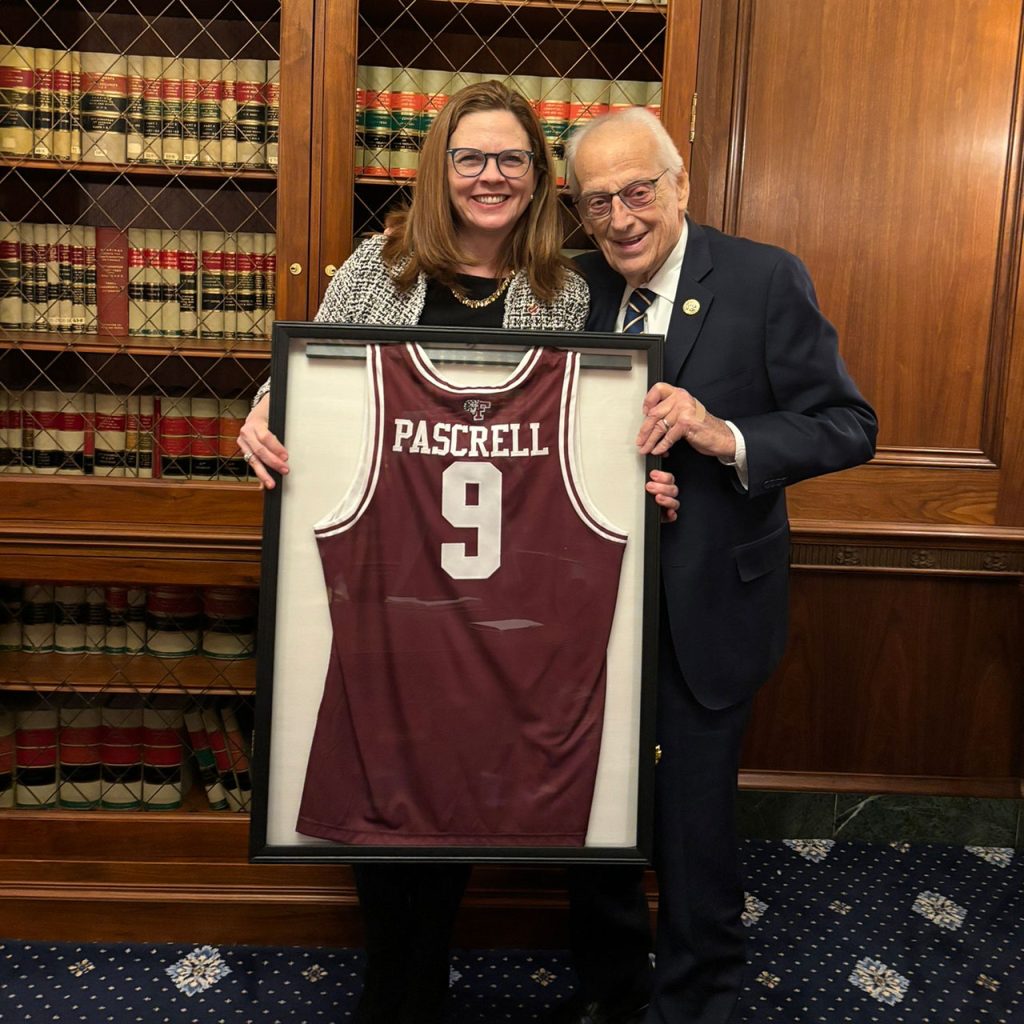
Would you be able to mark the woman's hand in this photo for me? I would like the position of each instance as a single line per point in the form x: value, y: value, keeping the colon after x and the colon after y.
x: 662, y: 486
x: 260, y: 448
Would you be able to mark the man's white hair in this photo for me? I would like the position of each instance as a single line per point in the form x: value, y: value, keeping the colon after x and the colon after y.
x: 641, y: 117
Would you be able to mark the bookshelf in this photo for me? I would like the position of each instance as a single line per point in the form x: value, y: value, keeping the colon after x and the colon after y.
x: 312, y: 193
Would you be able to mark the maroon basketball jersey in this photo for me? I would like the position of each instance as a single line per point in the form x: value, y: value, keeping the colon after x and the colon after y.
x: 472, y: 587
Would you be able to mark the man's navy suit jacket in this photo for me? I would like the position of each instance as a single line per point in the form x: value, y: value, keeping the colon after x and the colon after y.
x: 760, y: 353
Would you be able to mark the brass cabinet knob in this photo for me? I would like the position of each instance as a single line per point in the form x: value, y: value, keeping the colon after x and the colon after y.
x: 295, y: 269
x: 330, y: 270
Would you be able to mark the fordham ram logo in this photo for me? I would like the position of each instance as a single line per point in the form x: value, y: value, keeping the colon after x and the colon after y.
x: 476, y: 407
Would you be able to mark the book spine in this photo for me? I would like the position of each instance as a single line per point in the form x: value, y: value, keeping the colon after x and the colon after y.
x: 625, y: 93
x: 135, y: 621
x: 152, y: 111
x: 135, y: 273
x: 238, y: 752
x: 81, y: 768
x: 272, y: 99
x: 407, y: 103
x: 112, y: 282
x: 553, y: 112
x: 36, y: 776
x: 121, y: 755
x: 211, y: 284
x: 188, y: 283
x: 111, y: 424
x: 588, y: 99
x: 174, y: 438
x: 95, y: 619
x: 51, y: 258
x: 209, y: 100
x: 204, y: 441
x: 37, y: 618
x: 145, y: 462
x: 69, y: 618
x: 205, y: 762
x: 170, y: 103
x: 134, y: 115
x: 10, y: 276
x: 73, y: 435
x: 377, y: 135
x: 229, y: 262
x: 6, y: 758
x: 151, y: 284
x: 190, y: 110
x: 10, y: 615
x: 245, y: 285
x: 231, y: 416
x: 173, y: 621
x: 270, y: 278
x: 43, y: 106
x: 27, y: 457
x: 45, y: 424
x: 229, y: 623
x: 228, y: 115
x: 218, y: 741
x: 437, y: 87
x: 76, y: 105
x: 359, y: 154
x: 115, y: 619
x: 17, y: 81
x: 91, y: 309
x: 162, y: 756
x: 170, y: 279
x: 251, y: 112
x: 63, y: 119
x: 65, y: 268
x: 653, y: 102
x: 104, y: 99
x: 79, y: 302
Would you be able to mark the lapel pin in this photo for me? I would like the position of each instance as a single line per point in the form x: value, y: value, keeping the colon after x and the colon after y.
x: 691, y: 307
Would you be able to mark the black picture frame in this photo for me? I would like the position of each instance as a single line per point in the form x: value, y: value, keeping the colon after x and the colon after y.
x: 301, y: 352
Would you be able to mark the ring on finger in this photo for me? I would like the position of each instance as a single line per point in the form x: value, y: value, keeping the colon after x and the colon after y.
x: 247, y: 457
x: 665, y: 423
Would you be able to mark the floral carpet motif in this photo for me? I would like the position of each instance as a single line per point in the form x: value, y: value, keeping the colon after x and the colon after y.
x: 838, y: 932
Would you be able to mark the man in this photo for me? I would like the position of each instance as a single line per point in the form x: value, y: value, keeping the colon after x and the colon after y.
x: 754, y: 397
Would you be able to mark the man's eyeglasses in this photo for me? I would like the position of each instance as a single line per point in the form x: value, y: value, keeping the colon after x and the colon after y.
x: 470, y: 163
x: 634, y: 196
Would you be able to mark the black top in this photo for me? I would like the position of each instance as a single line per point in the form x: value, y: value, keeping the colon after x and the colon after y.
x: 442, y: 309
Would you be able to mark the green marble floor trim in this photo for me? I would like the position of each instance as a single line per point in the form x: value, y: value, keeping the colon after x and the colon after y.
x: 967, y: 821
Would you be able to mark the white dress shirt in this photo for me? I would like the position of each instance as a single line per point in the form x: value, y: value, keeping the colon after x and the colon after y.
x: 665, y: 284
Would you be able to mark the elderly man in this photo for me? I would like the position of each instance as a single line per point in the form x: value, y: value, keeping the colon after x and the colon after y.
x: 754, y: 397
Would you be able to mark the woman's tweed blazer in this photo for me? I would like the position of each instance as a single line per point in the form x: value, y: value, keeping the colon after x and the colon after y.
x: 363, y: 292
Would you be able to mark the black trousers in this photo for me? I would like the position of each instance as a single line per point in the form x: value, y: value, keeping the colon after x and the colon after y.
x: 409, y: 912
x: 700, y: 944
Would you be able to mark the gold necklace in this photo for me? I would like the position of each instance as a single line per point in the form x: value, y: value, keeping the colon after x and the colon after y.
x: 481, y: 303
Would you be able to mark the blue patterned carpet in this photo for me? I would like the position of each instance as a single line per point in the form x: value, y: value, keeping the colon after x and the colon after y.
x: 839, y: 932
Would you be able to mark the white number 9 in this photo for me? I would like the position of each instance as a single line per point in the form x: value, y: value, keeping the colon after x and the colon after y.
x: 484, y: 516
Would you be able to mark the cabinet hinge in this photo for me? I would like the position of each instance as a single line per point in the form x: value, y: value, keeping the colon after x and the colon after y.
x: 693, y: 117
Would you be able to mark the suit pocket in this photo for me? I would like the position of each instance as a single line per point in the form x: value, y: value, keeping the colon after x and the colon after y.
x: 763, y: 555
x: 711, y: 391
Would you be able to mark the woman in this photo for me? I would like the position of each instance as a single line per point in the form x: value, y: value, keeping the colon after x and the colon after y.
x: 479, y: 246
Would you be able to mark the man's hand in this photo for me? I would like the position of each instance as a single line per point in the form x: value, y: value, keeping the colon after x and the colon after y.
x: 260, y: 448
x: 673, y: 414
x: 662, y: 487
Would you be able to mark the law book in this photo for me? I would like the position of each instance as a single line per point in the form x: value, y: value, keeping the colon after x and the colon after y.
x: 63, y: 118
x: 103, y: 103
x: 270, y: 280
x: 190, y: 110
x: 553, y: 113
x: 135, y: 260
x: 74, y: 433
x: 5, y: 439
x: 163, y: 722
x: 151, y: 287
x: 171, y: 112
x: 80, y: 762
x: 588, y: 99
x: 188, y: 283
x: 229, y: 276
x: 238, y: 752
x: 10, y: 615
x: 204, y: 441
x: 66, y: 271
x: 33, y: 271
x: 6, y: 758
x: 112, y: 281
x: 81, y: 238
x: 95, y: 618
x: 211, y: 284
x: 229, y: 623
x: 174, y: 436
x: 170, y: 278
x: 17, y: 103
x: 24, y: 457
x: 115, y: 619
x: 111, y: 426
x: 37, y: 618
x: 437, y: 88
x: 231, y: 415
x: 206, y: 763
x: 251, y: 112
x: 217, y: 738
x: 121, y: 754
x: 530, y: 87
x: 377, y: 120
x: 10, y: 276
x: 626, y: 93
x: 653, y: 103
x: 245, y: 285
x: 228, y: 114
x: 44, y: 420
x: 69, y: 618
x: 134, y: 114
x: 259, y: 276
x: 35, y: 757
x: 11, y: 428
x: 152, y: 110
x: 51, y: 255
x: 76, y: 106
x: 91, y: 308
x: 144, y: 463
x: 211, y: 90
x: 43, y: 105
x: 272, y: 99
x: 407, y: 103
x: 135, y: 620
x: 359, y: 153
x: 173, y: 621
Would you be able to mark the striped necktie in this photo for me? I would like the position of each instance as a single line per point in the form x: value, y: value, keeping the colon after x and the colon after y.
x: 634, y: 322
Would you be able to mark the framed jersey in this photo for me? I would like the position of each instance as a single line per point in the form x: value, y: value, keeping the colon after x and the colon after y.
x: 459, y: 598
